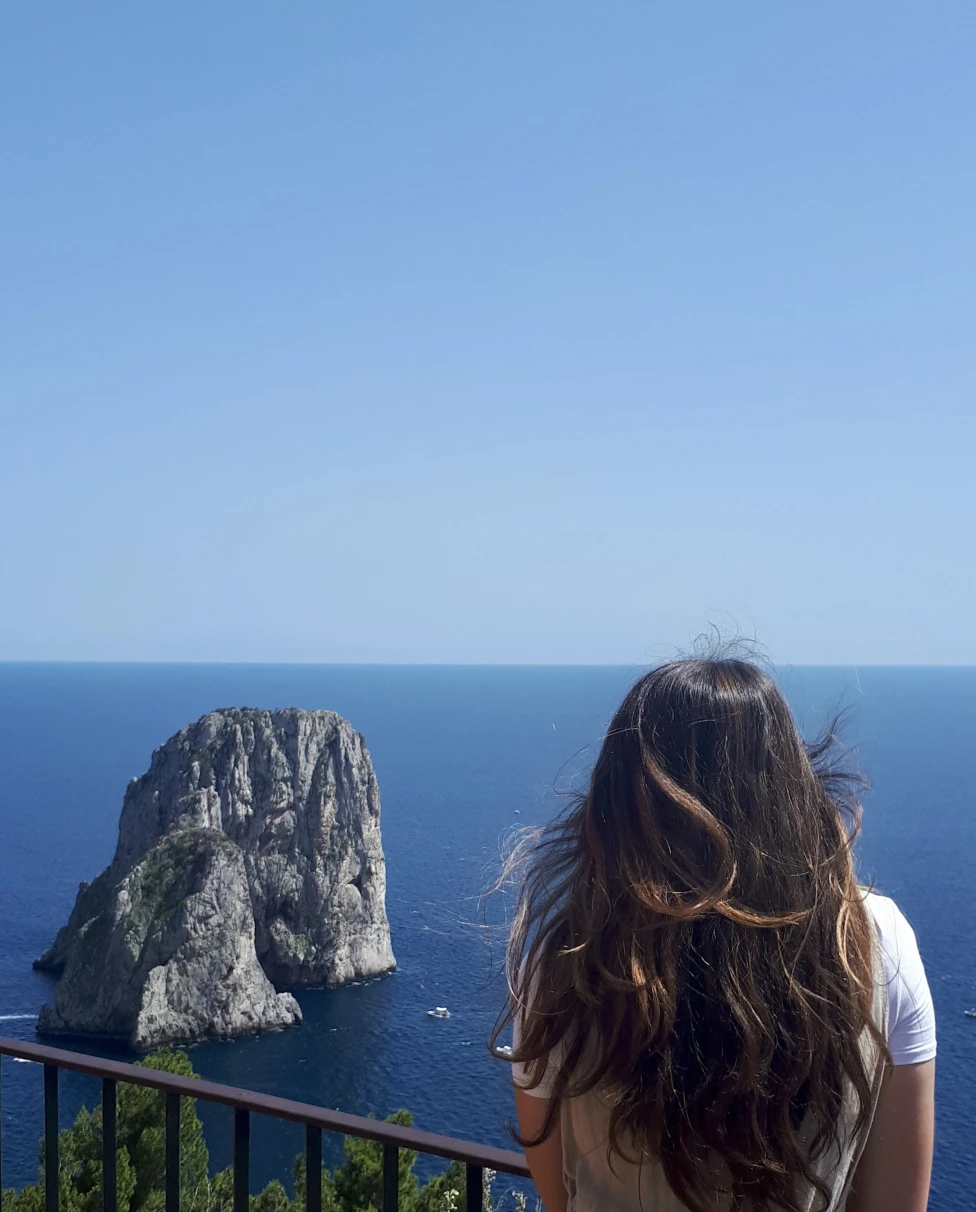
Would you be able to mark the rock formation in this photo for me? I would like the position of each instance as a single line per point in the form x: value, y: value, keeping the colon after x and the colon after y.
x: 249, y: 857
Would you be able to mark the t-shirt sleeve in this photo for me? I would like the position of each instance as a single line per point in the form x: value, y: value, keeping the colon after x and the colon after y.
x: 911, y: 1015
x: 520, y: 1074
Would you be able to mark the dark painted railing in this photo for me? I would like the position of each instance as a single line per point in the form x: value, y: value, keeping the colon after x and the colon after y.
x: 393, y: 1137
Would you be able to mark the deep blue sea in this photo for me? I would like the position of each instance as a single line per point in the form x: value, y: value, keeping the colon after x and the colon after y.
x: 463, y: 756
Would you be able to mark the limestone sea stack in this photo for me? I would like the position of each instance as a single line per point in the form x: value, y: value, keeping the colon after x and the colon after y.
x: 249, y: 860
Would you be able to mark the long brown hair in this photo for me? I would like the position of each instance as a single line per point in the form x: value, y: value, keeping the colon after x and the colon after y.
x: 691, y: 940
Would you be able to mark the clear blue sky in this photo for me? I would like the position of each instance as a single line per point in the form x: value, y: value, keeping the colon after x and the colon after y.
x: 520, y: 332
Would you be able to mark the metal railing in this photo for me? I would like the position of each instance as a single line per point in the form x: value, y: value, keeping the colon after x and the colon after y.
x: 393, y: 1137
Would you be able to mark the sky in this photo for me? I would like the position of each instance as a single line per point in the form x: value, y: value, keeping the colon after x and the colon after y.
x: 514, y: 332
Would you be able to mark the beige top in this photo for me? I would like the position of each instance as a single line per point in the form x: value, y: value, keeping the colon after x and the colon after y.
x: 594, y: 1186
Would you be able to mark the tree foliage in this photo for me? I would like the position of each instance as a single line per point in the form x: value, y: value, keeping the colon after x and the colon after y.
x: 355, y: 1185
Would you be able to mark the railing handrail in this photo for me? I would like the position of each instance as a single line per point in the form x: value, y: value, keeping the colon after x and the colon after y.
x: 487, y: 1156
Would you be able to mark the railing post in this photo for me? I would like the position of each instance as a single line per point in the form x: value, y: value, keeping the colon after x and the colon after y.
x: 475, y: 1186
x: 109, y: 1147
x: 173, y: 1153
x: 313, y: 1168
x: 391, y: 1178
x: 242, y: 1159
x: 52, y: 1168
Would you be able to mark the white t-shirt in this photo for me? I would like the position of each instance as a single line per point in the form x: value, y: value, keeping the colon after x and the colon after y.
x: 911, y: 1017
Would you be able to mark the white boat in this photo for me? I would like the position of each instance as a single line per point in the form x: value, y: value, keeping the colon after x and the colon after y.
x: 970, y: 1013
x: 439, y: 1012
x: 503, y: 1050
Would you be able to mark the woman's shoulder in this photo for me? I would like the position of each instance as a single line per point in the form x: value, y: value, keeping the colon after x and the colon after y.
x: 895, y: 933
x: 911, y: 1020
x: 894, y: 929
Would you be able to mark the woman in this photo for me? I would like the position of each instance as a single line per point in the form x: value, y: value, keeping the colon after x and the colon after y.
x: 709, y: 1012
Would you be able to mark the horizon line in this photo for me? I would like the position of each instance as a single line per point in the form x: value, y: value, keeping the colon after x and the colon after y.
x: 464, y: 664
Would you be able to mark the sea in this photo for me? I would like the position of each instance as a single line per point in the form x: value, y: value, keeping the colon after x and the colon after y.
x: 465, y: 756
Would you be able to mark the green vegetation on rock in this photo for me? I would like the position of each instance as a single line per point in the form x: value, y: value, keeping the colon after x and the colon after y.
x: 162, y: 882
x: 353, y: 1186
